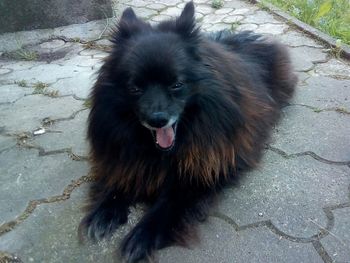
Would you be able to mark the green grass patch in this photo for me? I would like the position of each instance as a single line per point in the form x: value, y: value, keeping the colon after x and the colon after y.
x: 22, y: 83
x: 217, y: 4
x: 329, y: 16
x: 25, y: 55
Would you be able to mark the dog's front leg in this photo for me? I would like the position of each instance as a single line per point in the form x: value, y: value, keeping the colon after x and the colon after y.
x: 106, y: 211
x: 168, y: 221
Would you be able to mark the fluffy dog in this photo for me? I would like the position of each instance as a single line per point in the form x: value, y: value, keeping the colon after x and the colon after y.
x: 175, y: 116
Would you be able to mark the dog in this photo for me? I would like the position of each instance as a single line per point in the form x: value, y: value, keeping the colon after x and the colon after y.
x: 176, y: 115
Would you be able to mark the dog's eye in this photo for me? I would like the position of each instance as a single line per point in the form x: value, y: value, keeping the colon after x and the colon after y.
x: 177, y: 86
x: 135, y: 90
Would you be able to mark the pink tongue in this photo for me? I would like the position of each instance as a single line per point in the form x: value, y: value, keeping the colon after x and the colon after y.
x: 165, y: 137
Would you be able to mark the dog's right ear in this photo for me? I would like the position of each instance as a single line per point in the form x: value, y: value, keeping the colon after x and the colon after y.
x: 128, y: 25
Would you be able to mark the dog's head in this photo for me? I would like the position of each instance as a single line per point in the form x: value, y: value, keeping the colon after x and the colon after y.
x: 156, y: 64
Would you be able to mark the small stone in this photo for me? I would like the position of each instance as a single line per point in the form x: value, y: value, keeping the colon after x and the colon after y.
x: 260, y: 214
x: 39, y: 131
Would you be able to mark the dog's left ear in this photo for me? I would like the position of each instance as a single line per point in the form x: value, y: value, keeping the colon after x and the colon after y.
x: 128, y: 25
x: 185, y: 24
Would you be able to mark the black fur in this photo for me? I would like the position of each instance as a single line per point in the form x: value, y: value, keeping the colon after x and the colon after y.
x: 223, y: 91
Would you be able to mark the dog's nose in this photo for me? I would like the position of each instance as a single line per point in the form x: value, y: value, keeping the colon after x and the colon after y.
x: 158, y: 119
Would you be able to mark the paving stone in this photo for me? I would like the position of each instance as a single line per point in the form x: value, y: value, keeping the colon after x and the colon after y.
x: 156, y: 6
x: 204, y: 9
x: 323, y: 92
x: 334, y: 67
x: 218, y: 27
x: 324, y: 133
x: 87, y: 31
x: 53, y: 44
x: 11, y: 93
x: 251, y: 27
x: 241, y: 11
x: 66, y: 134
x: 19, y: 65
x: 33, y: 177
x: 81, y: 61
x: 47, y: 73
x: 79, y: 85
x: 221, y: 243
x: 104, y: 42
x: 261, y: 17
x: 172, y: 11
x: 232, y: 19
x: 289, y: 192
x: 6, y: 142
x: 337, y: 245
x: 27, y: 113
x: 90, y: 52
x: 202, y: 1
x: 160, y: 18
x: 223, y: 11
x: 303, y: 58
x: 238, y: 4
x: 213, y: 18
x: 273, y: 29
x: 4, y: 71
x: 145, y: 13
x: 138, y: 3
x: 167, y: 2
x: 296, y: 39
x: 53, y: 229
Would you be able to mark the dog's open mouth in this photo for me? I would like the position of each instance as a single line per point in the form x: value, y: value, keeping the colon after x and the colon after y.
x: 165, y: 137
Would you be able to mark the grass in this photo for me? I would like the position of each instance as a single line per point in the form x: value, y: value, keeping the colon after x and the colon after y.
x: 22, y: 83
x: 329, y: 16
x: 217, y: 4
x: 40, y: 88
x: 25, y: 55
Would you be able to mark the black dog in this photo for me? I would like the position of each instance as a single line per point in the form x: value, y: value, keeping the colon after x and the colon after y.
x: 175, y: 116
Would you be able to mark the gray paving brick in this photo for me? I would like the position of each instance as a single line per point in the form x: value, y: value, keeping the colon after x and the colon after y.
x: 324, y: 133
x: 27, y: 113
x: 221, y: 243
x: 53, y: 229
x: 65, y: 134
x: 338, y: 243
x: 289, y: 192
x: 323, y: 92
x: 33, y: 177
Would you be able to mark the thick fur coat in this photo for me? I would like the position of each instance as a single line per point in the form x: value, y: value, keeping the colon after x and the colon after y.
x: 175, y: 116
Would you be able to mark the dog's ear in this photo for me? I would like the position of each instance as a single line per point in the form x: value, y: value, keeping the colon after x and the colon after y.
x: 185, y: 24
x: 128, y: 25
x: 128, y: 15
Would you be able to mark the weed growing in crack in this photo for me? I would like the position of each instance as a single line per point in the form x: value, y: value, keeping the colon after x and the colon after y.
x: 40, y: 88
x: 23, y: 54
x: 217, y: 4
x: 22, y: 83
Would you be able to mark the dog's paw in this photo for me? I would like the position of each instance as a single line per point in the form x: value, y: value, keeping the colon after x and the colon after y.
x: 140, y: 243
x: 102, y: 222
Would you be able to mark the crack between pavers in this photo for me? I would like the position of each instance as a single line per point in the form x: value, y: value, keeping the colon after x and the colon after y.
x: 47, y: 121
x: 43, y: 152
x: 306, y: 153
x: 33, y: 204
x: 322, y: 252
x: 268, y: 224
x: 318, y: 110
